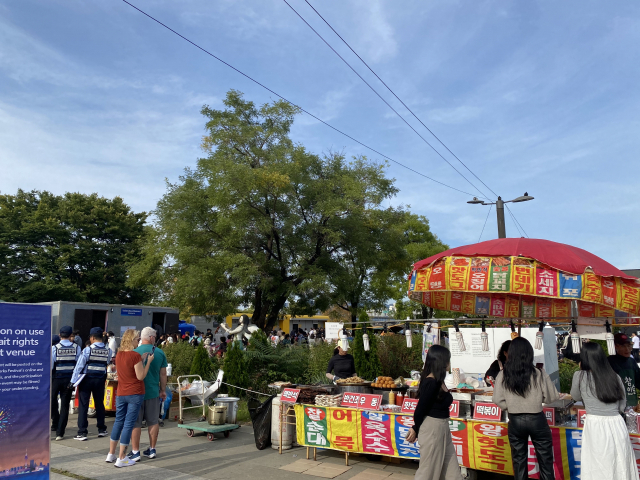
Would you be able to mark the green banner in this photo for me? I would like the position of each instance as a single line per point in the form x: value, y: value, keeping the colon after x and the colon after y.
x: 315, y: 426
x: 500, y: 274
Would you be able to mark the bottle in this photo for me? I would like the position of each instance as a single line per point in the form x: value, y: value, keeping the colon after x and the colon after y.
x: 169, y: 368
x: 392, y: 397
x: 480, y: 381
x: 399, y: 398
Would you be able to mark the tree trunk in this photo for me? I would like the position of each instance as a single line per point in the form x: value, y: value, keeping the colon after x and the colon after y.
x: 274, y: 313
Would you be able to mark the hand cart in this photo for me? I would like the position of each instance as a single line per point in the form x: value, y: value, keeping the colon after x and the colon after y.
x: 204, y: 416
x: 209, y: 429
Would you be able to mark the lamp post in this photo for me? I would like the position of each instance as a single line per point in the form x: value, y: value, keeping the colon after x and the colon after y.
x: 502, y: 233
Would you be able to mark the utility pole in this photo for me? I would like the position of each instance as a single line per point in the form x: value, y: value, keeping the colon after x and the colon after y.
x: 502, y: 231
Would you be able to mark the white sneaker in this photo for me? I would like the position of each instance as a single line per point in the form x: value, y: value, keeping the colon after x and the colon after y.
x: 111, y: 458
x: 125, y: 462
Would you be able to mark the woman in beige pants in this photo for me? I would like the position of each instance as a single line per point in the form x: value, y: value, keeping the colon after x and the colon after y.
x: 438, y: 459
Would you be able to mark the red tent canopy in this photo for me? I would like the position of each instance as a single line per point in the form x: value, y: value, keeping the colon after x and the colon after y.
x: 557, y: 255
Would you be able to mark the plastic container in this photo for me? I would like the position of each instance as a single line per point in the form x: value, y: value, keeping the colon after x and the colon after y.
x: 399, y: 398
x: 232, y: 407
x: 392, y: 397
x: 217, y: 415
x: 288, y: 429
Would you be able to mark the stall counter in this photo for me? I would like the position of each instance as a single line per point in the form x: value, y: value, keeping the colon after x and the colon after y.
x: 479, y: 445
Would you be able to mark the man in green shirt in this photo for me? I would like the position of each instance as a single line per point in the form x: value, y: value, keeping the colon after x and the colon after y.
x: 626, y: 367
x: 155, y: 384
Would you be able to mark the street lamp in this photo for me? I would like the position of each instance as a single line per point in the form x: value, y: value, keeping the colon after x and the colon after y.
x: 500, y: 209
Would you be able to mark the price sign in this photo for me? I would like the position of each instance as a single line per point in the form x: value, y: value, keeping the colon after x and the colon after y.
x: 363, y: 401
x: 550, y: 415
x: 487, y: 411
x: 581, y: 414
x: 409, y: 405
x: 290, y: 395
x: 454, y: 409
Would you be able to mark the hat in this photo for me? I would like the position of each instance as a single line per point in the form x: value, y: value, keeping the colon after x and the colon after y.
x: 66, y: 330
x: 55, y: 340
x: 96, y: 332
x: 621, y: 339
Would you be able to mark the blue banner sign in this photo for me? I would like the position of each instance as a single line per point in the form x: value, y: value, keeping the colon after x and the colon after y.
x: 25, y: 384
x: 131, y: 312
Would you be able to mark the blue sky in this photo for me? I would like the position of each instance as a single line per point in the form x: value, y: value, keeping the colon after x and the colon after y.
x: 533, y: 96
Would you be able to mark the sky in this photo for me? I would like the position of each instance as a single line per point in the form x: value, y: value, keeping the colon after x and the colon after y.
x: 536, y: 97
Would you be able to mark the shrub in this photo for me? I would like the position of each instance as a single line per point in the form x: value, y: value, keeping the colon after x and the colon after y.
x: 396, y: 359
x: 235, y: 369
x: 319, y: 356
x: 567, y: 369
x: 202, y: 365
x: 368, y: 364
x: 180, y: 356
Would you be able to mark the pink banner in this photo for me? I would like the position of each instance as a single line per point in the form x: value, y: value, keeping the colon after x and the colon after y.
x: 376, y: 433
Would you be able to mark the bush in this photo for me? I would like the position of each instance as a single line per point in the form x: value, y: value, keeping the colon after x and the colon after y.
x: 567, y: 369
x: 319, y: 356
x: 396, y: 359
x: 180, y: 356
x: 202, y: 365
x: 235, y: 369
x: 368, y: 364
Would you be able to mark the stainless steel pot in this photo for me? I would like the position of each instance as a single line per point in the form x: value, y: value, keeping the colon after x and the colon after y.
x: 354, y: 388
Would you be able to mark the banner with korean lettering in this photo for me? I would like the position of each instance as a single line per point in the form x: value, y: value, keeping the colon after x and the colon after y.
x: 311, y: 426
x: 486, y: 278
x: 376, y: 433
x: 343, y: 429
x: 462, y: 437
x: 491, y: 449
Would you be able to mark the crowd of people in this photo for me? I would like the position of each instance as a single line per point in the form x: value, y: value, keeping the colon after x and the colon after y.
x: 606, y: 386
x: 297, y: 337
x: 142, y: 381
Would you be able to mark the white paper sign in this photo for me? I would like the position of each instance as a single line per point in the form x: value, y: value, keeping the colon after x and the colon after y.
x: 593, y: 328
x: 332, y: 330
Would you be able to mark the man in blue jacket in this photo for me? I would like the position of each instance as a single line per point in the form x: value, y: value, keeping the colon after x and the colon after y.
x: 64, y: 357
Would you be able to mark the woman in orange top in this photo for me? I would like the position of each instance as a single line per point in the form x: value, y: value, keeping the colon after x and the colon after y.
x: 131, y: 373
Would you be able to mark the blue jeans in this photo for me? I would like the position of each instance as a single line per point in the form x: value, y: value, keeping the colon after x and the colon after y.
x: 127, y: 409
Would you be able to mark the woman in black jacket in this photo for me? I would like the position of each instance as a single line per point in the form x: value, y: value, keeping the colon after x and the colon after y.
x: 497, y: 366
x: 438, y: 459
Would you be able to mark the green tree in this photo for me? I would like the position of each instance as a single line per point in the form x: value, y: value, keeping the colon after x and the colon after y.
x: 72, y: 247
x: 202, y: 364
x: 259, y: 221
x: 368, y: 364
x: 235, y: 368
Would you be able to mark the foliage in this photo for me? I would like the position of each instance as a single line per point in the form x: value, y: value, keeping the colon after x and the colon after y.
x: 202, y: 365
x: 73, y: 247
x: 368, y: 364
x: 260, y: 221
x: 398, y: 360
x: 567, y: 369
x: 268, y: 364
x: 319, y: 356
x: 235, y: 368
x: 180, y: 355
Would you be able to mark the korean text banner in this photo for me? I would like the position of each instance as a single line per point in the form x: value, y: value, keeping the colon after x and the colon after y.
x: 499, y: 287
x: 479, y: 445
x: 25, y: 371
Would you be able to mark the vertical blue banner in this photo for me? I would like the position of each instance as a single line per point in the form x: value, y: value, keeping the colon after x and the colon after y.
x: 574, y: 447
x: 25, y: 373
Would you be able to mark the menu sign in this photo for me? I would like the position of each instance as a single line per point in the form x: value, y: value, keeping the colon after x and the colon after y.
x: 550, y: 415
x: 454, y: 409
x: 290, y: 395
x: 582, y: 413
x: 487, y: 411
x: 409, y: 405
x: 363, y: 401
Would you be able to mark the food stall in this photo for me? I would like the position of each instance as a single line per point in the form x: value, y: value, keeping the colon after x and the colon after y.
x: 511, y: 287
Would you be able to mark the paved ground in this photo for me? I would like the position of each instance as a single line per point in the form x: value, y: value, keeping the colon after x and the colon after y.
x: 236, y: 457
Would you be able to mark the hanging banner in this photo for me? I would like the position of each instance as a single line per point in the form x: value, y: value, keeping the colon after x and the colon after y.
x: 462, y: 437
x: 343, y: 429
x: 488, y: 279
x: 491, y: 451
x: 375, y: 431
x: 25, y: 385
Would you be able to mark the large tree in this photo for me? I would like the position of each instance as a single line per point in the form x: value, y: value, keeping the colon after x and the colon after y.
x: 73, y: 247
x: 259, y: 222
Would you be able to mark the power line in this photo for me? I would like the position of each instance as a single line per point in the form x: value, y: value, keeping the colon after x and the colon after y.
x: 392, y: 92
x: 291, y: 103
x: 485, y: 223
x: 382, y: 98
x: 398, y: 98
x: 520, y: 232
x: 516, y: 220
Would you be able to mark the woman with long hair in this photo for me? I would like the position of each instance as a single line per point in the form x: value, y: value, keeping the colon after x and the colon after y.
x: 438, y: 459
x: 497, y: 366
x: 521, y: 389
x: 607, y: 453
x: 131, y: 374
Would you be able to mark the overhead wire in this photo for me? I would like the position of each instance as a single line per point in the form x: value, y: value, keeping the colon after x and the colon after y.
x: 516, y: 220
x: 382, y: 98
x: 395, y: 95
x: 485, y: 223
x: 293, y: 104
x: 520, y: 232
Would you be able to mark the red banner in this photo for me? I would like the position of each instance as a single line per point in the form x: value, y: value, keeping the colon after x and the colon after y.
x: 409, y: 405
x: 454, y: 409
x: 487, y: 411
x: 290, y: 395
x: 376, y: 433
x: 362, y: 401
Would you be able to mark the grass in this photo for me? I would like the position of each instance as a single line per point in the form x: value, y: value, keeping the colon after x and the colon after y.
x: 243, y: 412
